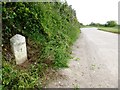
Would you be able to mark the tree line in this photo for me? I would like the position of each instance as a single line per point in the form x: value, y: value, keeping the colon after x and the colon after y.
x: 110, y: 23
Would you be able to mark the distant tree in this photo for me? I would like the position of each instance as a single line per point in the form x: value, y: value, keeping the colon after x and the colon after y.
x: 97, y: 24
x: 92, y: 24
x: 81, y: 24
x: 111, y: 23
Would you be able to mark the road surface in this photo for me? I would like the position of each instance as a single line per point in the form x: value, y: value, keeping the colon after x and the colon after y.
x: 94, y: 63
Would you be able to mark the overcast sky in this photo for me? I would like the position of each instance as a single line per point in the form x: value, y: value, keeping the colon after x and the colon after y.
x: 98, y: 11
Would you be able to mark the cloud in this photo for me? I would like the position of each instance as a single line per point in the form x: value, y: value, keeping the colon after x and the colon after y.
x: 98, y: 11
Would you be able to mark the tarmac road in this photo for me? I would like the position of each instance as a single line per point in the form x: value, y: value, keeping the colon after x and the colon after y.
x: 94, y: 63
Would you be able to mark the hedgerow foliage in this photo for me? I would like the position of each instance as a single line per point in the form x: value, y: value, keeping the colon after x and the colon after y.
x: 51, y: 25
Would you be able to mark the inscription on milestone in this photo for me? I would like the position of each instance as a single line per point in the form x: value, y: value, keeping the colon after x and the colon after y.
x: 18, y: 45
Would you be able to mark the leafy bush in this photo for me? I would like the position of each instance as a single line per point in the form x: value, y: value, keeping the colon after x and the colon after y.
x: 52, y: 26
x: 111, y: 24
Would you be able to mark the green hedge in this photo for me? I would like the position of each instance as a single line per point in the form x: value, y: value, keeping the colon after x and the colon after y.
x: 52, y: 26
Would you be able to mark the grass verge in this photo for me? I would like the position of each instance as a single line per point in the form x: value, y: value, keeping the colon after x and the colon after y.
x: 110, y: 29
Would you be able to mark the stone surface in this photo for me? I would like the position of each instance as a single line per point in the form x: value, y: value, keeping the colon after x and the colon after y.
x: 18, y: 44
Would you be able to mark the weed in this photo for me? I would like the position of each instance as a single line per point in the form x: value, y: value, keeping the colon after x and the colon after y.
x: 77, y: 59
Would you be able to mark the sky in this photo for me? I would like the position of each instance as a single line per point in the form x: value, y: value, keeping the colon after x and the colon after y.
x: 97, y: 11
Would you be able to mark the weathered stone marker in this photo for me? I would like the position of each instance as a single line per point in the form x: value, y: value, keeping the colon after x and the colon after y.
x: 18, y: 44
